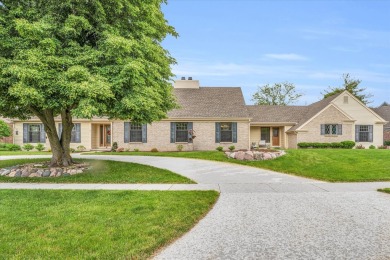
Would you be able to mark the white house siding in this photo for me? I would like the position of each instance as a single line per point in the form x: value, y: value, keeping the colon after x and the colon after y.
x: 158, y: 136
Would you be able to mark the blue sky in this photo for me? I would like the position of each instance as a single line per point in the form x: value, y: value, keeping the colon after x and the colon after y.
x: 309, y: 43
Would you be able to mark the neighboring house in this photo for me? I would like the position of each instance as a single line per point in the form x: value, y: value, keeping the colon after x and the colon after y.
x: 384, y: 112
x: 8, y: 140
x: 209, y: 117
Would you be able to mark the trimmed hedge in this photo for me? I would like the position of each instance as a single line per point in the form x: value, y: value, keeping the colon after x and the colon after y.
x: 387, y: 143
x: 341, y: 145
x: 10, y: 147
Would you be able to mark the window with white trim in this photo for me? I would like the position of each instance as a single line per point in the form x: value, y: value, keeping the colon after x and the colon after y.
x: 364, y: 133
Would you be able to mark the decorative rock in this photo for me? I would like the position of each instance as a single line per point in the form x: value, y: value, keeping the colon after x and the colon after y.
x: 248, y: 156
x: 42, y: 170
x: 5, y: 172
x: 25, y: 173
x: 18, y: 173
x: 255, y: 155
x: 46, y: 173
x: 239, y: 155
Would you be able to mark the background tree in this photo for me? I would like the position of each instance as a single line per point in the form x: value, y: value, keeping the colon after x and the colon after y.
x: 352, y: 85
x: 278, y: 94
x: 5, y: 131
x: 76, y: 58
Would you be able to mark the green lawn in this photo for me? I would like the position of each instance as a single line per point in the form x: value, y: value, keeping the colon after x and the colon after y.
x: 104, y: 172
x: 6, y: 153
x: 334, y: 165
x: 387, y: 190
x: 53, y: 224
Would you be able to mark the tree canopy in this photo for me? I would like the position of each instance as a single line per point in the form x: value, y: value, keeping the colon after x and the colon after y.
x: 278, y: 94
x: 352, y: 85
x: 5, y: 131
x: 82, y: 59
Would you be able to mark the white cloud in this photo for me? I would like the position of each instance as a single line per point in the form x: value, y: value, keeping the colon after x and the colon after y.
x: 285, y: 56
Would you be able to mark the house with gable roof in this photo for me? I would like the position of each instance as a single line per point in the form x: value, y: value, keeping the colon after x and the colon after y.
x: 209, y: 117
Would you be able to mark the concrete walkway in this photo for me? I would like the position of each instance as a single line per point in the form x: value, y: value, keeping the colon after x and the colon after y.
x: 267, y: 215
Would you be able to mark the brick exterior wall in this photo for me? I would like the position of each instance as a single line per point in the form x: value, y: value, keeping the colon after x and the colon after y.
x: 158, y: 136
x: 386, y: 135
x: 329, y: 116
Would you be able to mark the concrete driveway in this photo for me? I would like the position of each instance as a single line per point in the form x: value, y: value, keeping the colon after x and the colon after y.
x: 267, y: 215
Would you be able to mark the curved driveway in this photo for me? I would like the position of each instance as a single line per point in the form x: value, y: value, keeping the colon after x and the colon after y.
x: 267, y: 215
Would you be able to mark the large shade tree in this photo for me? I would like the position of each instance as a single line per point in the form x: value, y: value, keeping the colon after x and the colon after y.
x: 83, y: 58
x: 353, y: 86
x: 281, y: 94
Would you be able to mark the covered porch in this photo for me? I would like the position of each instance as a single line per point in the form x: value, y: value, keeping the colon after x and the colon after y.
x: 267, y: 136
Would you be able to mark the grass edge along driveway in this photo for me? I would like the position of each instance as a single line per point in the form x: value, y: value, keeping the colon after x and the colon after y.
x: 333, y: 165
x: 75, y: 224
x: 103, y: 171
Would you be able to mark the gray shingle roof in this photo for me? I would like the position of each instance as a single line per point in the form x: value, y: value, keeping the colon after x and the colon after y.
x: 292, y: 114
x: 384, y: 112
x: 275, y: 114
x: 210, y: 102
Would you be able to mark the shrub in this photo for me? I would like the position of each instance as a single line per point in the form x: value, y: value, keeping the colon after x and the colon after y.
x: 219, y: 148
x: 348, y: 144
x: 81, y: 148
x: 180, y: 147
x: 372, y: 147
x: 360, y: 146
x: 344, y: 145
x: 114, y: 147
x: 154, y: 150
x: 136, y: 150
x: 120, y: 149
x: 13, y: 147
x: 72, y: 150
x: 28, y: 147
x: 387, y: 143
x: 231, y: 148
x: 40, y: 147
x: 382, y: 147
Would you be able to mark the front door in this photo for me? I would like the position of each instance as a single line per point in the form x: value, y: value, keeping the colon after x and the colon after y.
x: 105, y: 135
x: 275, y: 137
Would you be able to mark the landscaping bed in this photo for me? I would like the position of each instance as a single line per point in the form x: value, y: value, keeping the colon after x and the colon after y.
x: 54, y: 224
x: 101, y: 172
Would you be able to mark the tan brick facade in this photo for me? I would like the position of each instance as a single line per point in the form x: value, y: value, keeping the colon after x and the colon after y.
x: 158, y: 136
x: 311, y: 132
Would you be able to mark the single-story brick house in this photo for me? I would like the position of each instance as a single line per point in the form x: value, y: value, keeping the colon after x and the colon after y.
x: 209, y: 117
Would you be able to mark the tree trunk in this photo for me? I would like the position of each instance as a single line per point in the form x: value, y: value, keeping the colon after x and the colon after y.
x: 60, y: 145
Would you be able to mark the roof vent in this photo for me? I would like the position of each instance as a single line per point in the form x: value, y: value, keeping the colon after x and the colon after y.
x: 183, y: 78
x: 189, y: 78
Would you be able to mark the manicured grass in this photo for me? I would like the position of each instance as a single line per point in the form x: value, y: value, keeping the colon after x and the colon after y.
x: 104, y: 172
x: 386, y: 190
x: 6, y: 153
x: 48, y: 224
x: 334, y: 165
